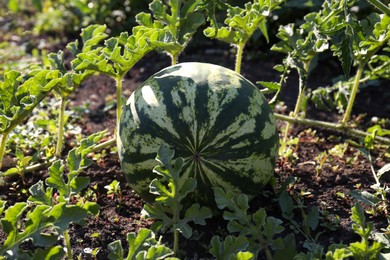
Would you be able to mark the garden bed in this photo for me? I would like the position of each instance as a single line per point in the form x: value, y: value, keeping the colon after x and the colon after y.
x: 325, y: 197
x: 325, y: 186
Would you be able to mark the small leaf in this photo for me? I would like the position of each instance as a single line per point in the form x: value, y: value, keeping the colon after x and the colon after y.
x: 56, y: 178
x: 228, y: 247
x: 116, y: 250
x: 165, y: 155
x: 79, y: 183
x: 52, y: 253
x: 365, y: 197
x: 274, y: 86
x: 286, y: 205
x: 358, y: 216
x: 39, y: 195
x: 312, y: 218
x: 197, y: 214
x: 139, y: 242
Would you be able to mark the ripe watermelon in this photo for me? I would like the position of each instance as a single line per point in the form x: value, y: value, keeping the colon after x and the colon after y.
x: 214, y: 118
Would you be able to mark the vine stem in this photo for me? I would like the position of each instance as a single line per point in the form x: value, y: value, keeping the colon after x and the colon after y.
x: 119, y: 81
x: 331, y: 126
x: 240, y: 51
x: 2, y: 147
x: 69, y: 253
x: 61, y: 125
x: 301, y: 94
x: 174, y: 59
x: 355, y: 87
x: 380, y: 6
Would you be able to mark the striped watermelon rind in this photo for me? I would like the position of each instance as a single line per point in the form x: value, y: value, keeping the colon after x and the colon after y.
x: 215, y: 119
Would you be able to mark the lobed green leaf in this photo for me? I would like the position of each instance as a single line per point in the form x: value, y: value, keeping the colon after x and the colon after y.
x: 230, y: 248
x: 141, y: 246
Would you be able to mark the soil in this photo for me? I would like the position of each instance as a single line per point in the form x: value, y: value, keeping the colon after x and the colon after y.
x: 326, y: 187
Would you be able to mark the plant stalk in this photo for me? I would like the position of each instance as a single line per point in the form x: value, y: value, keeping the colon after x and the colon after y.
x: 175, y: 241
x: 2, y: 147
x: 354, y: 90
x: 240, y: 51
x: 332, y: 126
x: 69, y: 253
x: 119, y: 81
x: 301, y: 94
x: 380, y: 6
x: 174, y: 59
x: 61, y: 125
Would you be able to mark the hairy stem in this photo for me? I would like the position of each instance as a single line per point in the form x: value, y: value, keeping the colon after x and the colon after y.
x: 107, y: 144
x: 300, y: 98
x: 61, y: 125
x: 174, y: 58
x: 119, y: 81
x: 69, y: 253
x: 355, y: 87
x: 2, y: 147
x: 240, y: 51
x: 380, y: 6
x: 175, y: 241
x: 332, y: 126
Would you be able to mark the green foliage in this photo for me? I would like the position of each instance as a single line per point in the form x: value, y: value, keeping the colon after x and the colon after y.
x: 48, y: 216
x: 179, y: 19
x: 260, y: 230
x: 19, y: 96
x: 43, y: 225
x: 332, y: 97
x: 310, y: 220
x: 141, y: 246
x: 114, y: 189
x: 363, y: 249
x: 243, y: 22
x: 231, y: 248
x: 355, y: 38
x: 76, y: 162
x: 168, y: 208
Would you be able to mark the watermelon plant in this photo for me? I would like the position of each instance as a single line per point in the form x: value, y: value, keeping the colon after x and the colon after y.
x: 19, y: 96
x: 241, y: 24
x: 216, y: 120
x: 168, y: 208
x: 49, y: 210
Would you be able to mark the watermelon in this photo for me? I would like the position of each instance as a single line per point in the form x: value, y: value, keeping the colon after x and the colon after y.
x: 215, y: 119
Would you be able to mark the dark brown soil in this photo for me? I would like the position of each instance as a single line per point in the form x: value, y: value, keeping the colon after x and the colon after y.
x: 326, y: 187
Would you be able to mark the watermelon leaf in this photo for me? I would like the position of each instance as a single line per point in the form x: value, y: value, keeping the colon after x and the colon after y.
x: 43, y: 224
x: 39, y: 195
x: 171, y: 193
x: 48, y: 215
x: 177, y: 20
x: 76, y: 161
x: 255, y: 227
x: 230, y: 246
x: 20, y: 95
x: 141, y: 246
x: 243, y: 22
x: 363, y: 248
x: 55, y: 253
